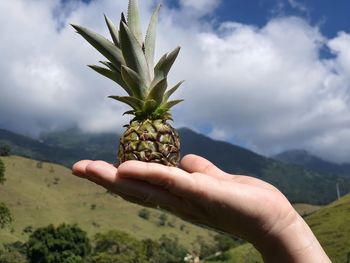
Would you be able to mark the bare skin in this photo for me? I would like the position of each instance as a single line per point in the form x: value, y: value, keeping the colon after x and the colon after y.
x: 203, y: 194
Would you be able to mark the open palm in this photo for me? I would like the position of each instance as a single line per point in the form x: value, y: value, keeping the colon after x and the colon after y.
x: 202, y: 193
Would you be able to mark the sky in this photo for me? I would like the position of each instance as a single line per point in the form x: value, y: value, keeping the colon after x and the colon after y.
x: 269, y: 75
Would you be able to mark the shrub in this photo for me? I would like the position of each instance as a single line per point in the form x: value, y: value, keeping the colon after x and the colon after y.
x: 39, y: 164
x: 144, y: 213
x: 2, y: 172
x: 5, y: 216
x: 162, y: 219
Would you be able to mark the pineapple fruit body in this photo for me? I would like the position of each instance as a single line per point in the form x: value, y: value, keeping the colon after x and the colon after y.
x: 150, y: 141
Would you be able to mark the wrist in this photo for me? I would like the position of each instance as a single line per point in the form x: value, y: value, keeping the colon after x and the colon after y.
x: 294, y: 242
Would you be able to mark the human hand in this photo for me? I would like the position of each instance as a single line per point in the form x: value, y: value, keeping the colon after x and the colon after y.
x: 202, y: 193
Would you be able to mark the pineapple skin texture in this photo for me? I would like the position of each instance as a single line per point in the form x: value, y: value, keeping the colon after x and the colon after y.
x: 150, y: 141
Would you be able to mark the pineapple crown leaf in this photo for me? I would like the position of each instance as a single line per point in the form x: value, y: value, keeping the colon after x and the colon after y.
x: 149, y: 106
x: 133, y: 53
x: 134, y: 103
x: 131, y: 64
x: 134, y: 82
x: 103, y: 45
x: 134, y: 20
x: 113, y: 31
x: 171, y: 91
x: 164, y: 64
x: 171, y: 103
x: 131, y: 112
x: 111, y: 74
x: 109, y: 65
x: 158, y: 90
x: 150, y: 39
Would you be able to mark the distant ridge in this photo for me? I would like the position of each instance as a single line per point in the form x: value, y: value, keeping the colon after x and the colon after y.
x: 312, y: 162
x: 297, y: 183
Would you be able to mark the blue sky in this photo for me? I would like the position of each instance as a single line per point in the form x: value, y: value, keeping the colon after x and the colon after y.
x: 269, y: 75
x: 330, y: 16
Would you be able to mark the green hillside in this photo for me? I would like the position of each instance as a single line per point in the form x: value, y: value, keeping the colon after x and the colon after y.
x: 330, y: 224
x: 42, y: 193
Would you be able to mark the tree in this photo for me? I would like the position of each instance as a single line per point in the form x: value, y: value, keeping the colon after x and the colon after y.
x: 2, y: 172
x: 5, y: 150
x: 64, y: 244
x: 5, y: 216
x: 170, y: 251
x: 117, y: 247
x: 162, y: 219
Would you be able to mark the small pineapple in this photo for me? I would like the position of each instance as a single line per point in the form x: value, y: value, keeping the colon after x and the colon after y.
x: 149, y: 137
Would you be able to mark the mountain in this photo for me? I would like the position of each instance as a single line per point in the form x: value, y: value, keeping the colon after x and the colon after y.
x: 64, y: 147
x: 314, y: 163
x: 298, y: 184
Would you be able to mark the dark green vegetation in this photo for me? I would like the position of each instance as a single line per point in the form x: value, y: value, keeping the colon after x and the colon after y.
x: 70, y: 244
x: 65, y: 243
x: 2, y: 172
x: 5, y: 216
x: 297, y: 183
x: 311, y: 162
x: 5, y: 150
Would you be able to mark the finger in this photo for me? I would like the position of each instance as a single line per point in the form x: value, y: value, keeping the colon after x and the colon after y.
x: 171, y: 179
x: 79, y: 168
x: 139, y: 192
x: 193, y: 163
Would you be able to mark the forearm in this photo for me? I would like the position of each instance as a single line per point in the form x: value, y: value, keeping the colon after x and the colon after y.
x: 295, y: 244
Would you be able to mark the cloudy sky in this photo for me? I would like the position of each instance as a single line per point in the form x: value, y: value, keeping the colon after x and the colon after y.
x: 269, y: 75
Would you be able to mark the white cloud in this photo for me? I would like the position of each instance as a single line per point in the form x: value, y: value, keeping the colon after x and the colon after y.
x: 266, y: 87
x: 296, y: 4
x: 199, y: 8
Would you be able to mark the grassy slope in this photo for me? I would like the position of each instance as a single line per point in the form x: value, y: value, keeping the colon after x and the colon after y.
x: 35, y: 200
x: 330, y: 224
x: 306, y: 209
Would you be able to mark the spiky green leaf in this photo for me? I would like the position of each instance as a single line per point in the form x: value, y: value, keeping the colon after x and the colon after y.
x: 130, y: 112
x: 133, y: 54
x: 103, y: 45
x: 171, y: 91
x: 113, y: 75
x: 134, y: 20
x: 157, y: 91
x: 149, y: 106
x: 163, y: 66
x: 171, y: 103
x: 150, y: 40
x: 134, y: 82
x: 110, y: 65
x: 134, y: 103
x: 112, y: 30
